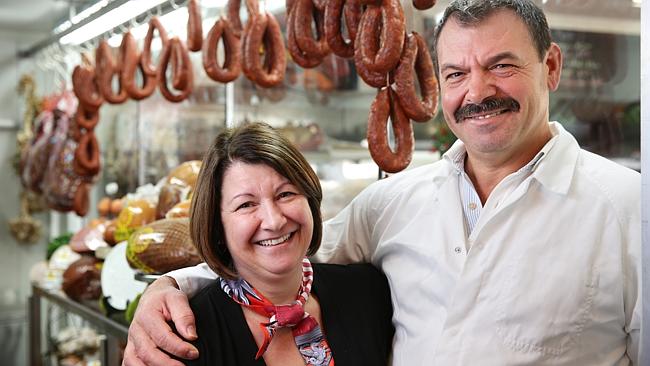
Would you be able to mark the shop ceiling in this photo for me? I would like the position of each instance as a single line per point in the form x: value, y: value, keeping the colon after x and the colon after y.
x: 45, y: 15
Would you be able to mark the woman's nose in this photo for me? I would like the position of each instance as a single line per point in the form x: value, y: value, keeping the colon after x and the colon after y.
x: 272, y: 218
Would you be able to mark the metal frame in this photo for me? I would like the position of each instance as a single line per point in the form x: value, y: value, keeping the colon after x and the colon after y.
x: 114, y: 331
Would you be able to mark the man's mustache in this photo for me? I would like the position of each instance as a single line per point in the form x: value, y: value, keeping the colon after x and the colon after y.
x: 488, y: 105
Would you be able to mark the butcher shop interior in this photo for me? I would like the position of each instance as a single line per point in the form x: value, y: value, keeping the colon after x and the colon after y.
x: 108, y: 107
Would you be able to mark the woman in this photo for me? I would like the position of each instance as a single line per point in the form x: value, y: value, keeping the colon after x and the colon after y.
x: 255, y: 216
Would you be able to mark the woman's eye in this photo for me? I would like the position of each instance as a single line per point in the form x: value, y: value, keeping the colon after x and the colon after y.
x: 286, y: 194
x: 244, y: 205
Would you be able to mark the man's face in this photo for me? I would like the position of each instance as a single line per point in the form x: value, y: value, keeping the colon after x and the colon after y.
x: 494, y: 86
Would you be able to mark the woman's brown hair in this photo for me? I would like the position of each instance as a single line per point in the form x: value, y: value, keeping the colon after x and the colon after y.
x: 252, y: 143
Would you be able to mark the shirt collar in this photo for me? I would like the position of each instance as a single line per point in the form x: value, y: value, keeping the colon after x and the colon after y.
x: 552, y: 166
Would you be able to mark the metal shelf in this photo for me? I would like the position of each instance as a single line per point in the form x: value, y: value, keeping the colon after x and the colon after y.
x: 114, y: 331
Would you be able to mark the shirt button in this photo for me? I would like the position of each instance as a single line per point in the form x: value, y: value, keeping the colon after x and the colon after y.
x: 458, y: 250
x: 472, y: 206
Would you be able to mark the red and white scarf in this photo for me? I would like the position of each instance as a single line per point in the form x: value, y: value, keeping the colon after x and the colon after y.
x: 306, y: 332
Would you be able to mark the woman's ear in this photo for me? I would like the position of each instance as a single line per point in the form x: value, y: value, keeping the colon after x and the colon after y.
x: 553, y: 64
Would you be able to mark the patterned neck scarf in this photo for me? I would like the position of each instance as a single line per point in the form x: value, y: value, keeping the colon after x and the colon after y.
x: 306, y: 332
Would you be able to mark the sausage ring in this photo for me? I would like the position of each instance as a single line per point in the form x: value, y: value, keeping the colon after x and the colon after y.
x: 374, y: 79
x: 423, y: 4
x: 222, y: 29
x: 131, y: 61
x: 86, y: 118
x: 416, y: 60
x: 296, y: 53
x: 105, y: 69
x: 84, y: 85
x: 175, y: 49
x: 194, y: 26
x: 306, y: 12
x: 86, y: 155
x: 232, y: 14
x: 381, y: 36
x: 145, y: 58
x: 333, y: 35
x: 383, y: 107
x: 81, y: 200
x: 265, y: 28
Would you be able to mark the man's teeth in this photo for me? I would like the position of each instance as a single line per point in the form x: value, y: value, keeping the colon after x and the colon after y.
x: 485, y: 116
x: 272, y: 242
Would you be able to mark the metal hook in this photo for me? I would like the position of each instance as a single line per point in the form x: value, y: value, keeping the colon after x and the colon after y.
x: 173, y: 4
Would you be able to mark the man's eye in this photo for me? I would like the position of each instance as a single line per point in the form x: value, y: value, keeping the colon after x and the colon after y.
x: 501, y: 66
x: 453, y: 75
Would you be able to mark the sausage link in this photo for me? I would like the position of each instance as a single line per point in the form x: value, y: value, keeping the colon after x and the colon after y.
x: 86, y: 118
x: 81, y: 199
x: 333, y: 35
x: 382, y: 108
x: 222, y: 29
x: 175, y: 49
x: 416, y: 60
x: 131, y: 61
x: 296, y: 53
x: 145, y: 59
x: 194, y: 26
x: 423, y: 4
x: 352, y: 11
x: 105, y: 69
x: 84, y: 85
x: 317, y: 46
x: 381, y: 34
x: 275, y: 61
x: 86, y: 155
x: 232, y: 14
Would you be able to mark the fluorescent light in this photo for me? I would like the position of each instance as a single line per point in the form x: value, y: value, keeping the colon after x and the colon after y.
x: 81, y: 16
x: 109, y: 21
x: 175, y: 23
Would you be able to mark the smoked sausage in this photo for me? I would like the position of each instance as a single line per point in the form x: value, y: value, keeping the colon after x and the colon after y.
x: 175, y: 50
x: 383, y: 107
x: 105, y: 69
x: 194, y: 26
x: 222, y: 29
x: 416, y: 60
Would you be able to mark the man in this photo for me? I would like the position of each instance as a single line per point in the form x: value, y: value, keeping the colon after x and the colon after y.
x: 517, y: 247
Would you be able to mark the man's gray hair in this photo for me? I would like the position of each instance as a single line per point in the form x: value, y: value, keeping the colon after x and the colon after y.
x: 471, y: 12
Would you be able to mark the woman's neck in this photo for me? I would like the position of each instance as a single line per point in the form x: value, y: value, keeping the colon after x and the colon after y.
x: 278, y: 289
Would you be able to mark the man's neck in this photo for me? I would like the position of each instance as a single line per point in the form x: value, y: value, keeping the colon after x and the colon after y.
x: 486, y: 171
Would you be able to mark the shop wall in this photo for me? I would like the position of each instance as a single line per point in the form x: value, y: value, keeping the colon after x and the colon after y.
x: 15, y: 259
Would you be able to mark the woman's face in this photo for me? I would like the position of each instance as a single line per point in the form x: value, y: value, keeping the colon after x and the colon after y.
x: 267, y: 222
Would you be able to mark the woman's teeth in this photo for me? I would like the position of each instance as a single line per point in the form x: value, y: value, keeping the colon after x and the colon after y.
x: 273, y: 242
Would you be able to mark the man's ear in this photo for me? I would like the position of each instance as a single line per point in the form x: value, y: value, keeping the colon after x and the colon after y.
x: 553, y: 64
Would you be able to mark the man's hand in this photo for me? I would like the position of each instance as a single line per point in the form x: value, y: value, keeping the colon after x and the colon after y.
x: 149, y: 333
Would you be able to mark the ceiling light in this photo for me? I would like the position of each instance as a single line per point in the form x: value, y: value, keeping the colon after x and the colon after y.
x: 108, y: 21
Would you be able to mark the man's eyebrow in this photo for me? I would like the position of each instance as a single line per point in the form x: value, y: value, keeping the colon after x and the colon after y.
x: 490, y: 61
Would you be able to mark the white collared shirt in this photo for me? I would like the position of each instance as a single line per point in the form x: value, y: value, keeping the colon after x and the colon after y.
x: 551, y: 277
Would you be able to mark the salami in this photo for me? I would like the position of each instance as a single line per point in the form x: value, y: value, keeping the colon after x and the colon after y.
x: 131, y: 62
x: 105, y: 69
x: 313, y: 46
x: 381, y: 36
x: 416, y: 61
x: 145, y: 59
x: 175, y: 50
x: 222, y: 30
x: 265, y: 30
x: 194, y: 26
x: 384, y: 107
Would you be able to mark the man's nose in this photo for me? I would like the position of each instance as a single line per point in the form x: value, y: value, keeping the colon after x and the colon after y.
x: 272, y: 217
x: 480, y: 87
